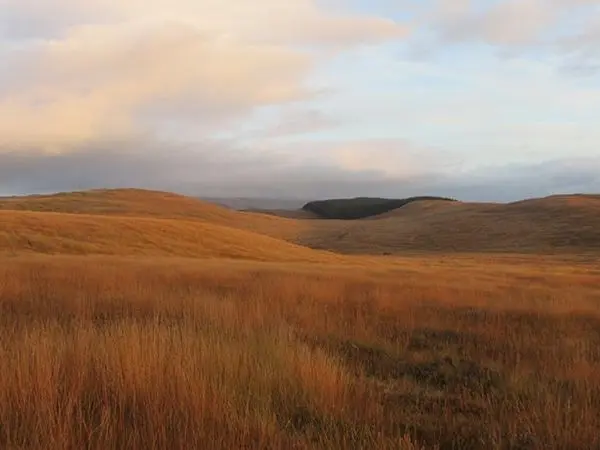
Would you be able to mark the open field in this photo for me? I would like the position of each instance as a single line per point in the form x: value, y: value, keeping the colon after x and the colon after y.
x: 159, y: 326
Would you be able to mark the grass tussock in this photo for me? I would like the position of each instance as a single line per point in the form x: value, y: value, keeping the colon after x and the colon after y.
x: 104, y: 352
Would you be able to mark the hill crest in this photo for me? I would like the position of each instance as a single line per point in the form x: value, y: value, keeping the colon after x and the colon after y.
x: 151, y: 204
x: 559, y: 223
x: 563, y: 224
x: 84, y: 234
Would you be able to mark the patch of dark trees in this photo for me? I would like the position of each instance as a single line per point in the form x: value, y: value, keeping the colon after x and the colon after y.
x: 361, y: 207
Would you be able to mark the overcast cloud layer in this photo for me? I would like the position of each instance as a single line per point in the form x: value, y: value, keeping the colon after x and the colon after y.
x: 480, y: 100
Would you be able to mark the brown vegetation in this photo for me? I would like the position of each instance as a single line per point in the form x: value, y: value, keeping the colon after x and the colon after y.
x: 558, y: 224
x: 56, y: 233
x: 562, y: 224
x: 108, y: 353
x: 142, y: 348
x: 152, y: 204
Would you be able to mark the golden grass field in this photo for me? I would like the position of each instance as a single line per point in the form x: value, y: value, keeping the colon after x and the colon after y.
x: 142, y: 320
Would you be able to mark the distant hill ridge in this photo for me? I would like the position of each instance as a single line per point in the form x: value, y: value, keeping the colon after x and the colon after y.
x: 549, y: 225
x: 139, y: 222
x: 135, y: 222
x: 362, y: 207
x: 151, y: 204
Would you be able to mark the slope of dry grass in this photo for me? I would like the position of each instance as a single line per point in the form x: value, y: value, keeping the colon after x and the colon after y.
x: 103, y: 353
x: 153, y: 204
x: 59, y: 233
x: 561, y: 224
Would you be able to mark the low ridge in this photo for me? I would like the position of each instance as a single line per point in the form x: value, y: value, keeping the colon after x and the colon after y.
x: 153, y: 204
x: 548, y: 225
x: 131, y: 221
x: 82, y: 234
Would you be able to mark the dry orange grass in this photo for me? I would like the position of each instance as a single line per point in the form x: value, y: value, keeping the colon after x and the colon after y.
x: 268, y: 345
x: 480, y: 353
x: 59, y: 233
x: 558, y: 224
x: 153, y: 204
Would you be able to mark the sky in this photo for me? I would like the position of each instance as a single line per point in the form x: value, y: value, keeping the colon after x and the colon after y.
x: 484, y: 100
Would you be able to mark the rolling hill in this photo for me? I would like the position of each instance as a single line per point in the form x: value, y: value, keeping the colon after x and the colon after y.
x: 560, y: 224
x: 83, y: 234
x: 151, y: 204
x: 130, y: 221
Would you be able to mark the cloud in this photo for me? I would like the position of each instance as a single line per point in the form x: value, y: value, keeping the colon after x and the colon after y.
x: 98, y: 82
x: 293, y: 122
x: 293, y: 21
x: 507, y: 22
x: 112, y: 70
x: 582, y: 49
x: 511, y: 26
x: 222, y: 168
x: 388, y: 158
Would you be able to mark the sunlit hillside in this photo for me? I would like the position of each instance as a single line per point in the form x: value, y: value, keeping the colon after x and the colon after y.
x: 146, y: 203
x: 143, y: 320
x: 60, y: 233
x: 558, y: 224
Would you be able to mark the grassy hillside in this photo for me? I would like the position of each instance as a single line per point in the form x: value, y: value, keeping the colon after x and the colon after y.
x: 122, y: 202
x: 155, y: 204
x: 60, y: 233
x: 360, y: 207
x: 564, y: 224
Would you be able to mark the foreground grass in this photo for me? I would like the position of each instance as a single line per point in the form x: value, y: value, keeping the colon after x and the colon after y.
x: 163, y: 354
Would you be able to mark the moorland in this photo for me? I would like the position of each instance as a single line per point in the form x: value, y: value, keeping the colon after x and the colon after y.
x: 143, y: 319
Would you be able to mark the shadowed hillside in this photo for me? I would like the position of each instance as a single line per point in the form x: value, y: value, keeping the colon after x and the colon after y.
x: 360, y: 207
x: 553, y: 224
